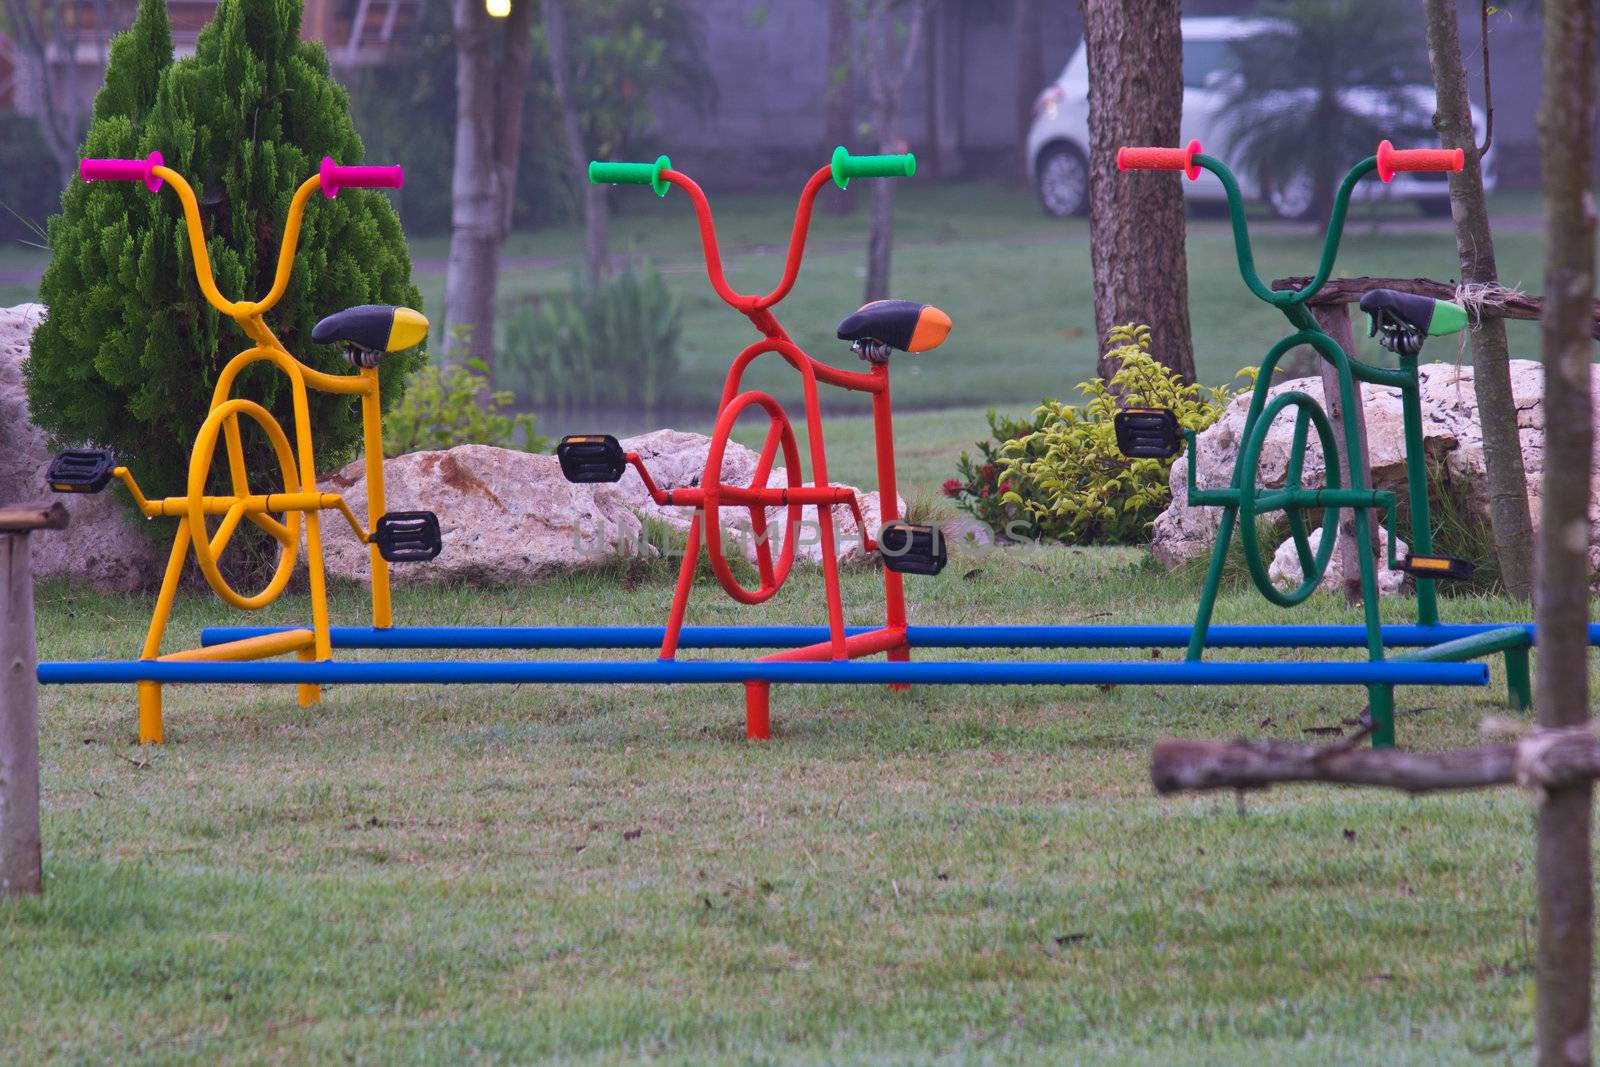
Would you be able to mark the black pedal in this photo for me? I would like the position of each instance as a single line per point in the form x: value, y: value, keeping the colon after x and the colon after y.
x: 591, y: 458
x: 1438, y: 567
x: 81, y: 470
x: 908, y: 549
x: 408, y: 536
x: 1148, y: 433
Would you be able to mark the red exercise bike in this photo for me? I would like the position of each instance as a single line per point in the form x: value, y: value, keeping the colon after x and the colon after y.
x: 874, y: 331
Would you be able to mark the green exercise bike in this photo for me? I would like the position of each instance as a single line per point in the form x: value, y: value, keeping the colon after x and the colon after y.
x: 1401, y: 321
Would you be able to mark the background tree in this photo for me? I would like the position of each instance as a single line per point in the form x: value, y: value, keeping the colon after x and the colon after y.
x: 46, y: 31
x: 838, y: 100
x: 1136, y: 226
x: 1509, y: 517
x: 606, y: 59
x: 128, y: 353
x: 492, y: 59
x: 1561, y: 695
x: 1030, y: 77
x: 596, y: 218
x: 888, y: 37
x: 1295, y: 122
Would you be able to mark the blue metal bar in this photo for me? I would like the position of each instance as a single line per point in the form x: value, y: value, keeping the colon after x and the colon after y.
x: 1263, y: 636
x: 678, y: 672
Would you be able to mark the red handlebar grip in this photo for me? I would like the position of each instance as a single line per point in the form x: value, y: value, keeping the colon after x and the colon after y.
x: 123, y: 170
x: 334, y: 177
x: 1161, y: 159
x: 1392, y: 160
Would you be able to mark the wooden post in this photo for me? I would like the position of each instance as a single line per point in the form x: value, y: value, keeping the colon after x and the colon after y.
x: 1335, y: 321
x: 19, y: 702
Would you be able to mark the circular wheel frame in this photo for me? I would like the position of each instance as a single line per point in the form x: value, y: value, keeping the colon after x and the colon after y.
x: 1313, y: 565
x: 779, y: 434
x: 208, y: 547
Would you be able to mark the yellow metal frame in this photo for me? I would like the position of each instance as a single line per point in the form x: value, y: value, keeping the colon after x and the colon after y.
x: 299, y: 503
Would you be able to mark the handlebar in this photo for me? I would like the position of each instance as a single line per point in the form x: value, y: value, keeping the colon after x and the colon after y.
x: 1161, y: 159
x: 845, y: 166
x: 336, y: 178
x: 603, y: 172
x: 1392, y: 160
x: 123, y: 170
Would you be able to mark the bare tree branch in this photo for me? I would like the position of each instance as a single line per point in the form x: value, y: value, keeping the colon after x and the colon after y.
x: 1541, y: 758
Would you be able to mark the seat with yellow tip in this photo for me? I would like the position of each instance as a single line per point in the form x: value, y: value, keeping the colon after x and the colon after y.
x: 371, y: 330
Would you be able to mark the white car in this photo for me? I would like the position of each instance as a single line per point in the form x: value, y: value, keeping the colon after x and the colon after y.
x: 1058, y: 141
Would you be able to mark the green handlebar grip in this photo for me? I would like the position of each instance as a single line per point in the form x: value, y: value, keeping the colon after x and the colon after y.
x: 606, y: 173
x: 846, y: 166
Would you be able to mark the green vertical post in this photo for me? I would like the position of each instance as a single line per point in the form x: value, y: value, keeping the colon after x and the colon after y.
x: 1519, y: 684
x: 1380, y: 705
x: 1417, y: 492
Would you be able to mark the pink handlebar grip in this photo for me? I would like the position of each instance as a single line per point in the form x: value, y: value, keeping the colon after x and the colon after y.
x: 123, y: 170
x: 1392, y: 160
x: 1161, y: 159
x: 335, y: 177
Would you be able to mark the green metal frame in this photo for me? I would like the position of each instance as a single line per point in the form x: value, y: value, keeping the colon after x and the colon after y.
x: 1242, y: 502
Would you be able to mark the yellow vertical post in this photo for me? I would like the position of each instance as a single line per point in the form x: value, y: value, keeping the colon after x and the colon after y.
x: 309, y: 694
x: 150, y: 731
x: 372, y: 432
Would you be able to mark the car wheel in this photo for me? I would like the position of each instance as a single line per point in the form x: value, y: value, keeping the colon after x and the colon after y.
x: 1063, y: 177
x: 1294, y: 198
x: 1437, y: 207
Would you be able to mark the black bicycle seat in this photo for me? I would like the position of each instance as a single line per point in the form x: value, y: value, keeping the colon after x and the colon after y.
x: 372, y: 328
x: 900, y: 324
x: 1410, y: 309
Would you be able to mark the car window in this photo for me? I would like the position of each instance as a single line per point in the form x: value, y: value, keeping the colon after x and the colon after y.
x: 1202, y: 59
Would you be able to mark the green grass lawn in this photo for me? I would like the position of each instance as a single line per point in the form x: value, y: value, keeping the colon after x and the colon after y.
x: 604, y: 875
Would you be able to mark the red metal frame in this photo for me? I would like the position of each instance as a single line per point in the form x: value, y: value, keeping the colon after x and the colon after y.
x: 713, y: 495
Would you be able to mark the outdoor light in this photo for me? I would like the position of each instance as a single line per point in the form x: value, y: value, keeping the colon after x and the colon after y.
x: 498, y: 8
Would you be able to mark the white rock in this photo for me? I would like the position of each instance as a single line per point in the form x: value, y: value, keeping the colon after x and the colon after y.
x: 103, y: 543
x: 510, y: 517
x: 1451, y: 433
x: 1285, y: 572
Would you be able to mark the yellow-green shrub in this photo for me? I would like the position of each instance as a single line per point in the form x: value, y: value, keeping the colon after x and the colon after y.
x: 1068, y: 475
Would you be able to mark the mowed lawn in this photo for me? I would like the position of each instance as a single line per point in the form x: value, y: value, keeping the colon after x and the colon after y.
x: 604, y: 875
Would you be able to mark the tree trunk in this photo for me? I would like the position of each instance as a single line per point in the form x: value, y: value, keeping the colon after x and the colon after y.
x: 596, y: 208
x: 880, y: 238
x: 1335, y: 322
x: 1563, y: 862
x: 1030, y: 78
x: 886, y: 76
x: 492, y: 57
x: 19, y: 723
x: 1136, y: 226
x: 837, y: 100
x: 1509, y: 516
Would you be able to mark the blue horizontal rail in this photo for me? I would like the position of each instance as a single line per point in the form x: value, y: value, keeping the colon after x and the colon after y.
x: 678, y: 672
x: 1264, y: 636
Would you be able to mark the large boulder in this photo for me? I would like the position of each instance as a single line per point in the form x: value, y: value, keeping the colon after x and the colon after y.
x: 510, y: 517
x: 103, y: 543
x: 1451, y: 436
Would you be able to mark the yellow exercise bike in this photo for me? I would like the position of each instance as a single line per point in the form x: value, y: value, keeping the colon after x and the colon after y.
x: 366, y: 333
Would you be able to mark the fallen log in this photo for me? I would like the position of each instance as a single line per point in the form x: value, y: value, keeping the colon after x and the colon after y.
x: 1541, y: 758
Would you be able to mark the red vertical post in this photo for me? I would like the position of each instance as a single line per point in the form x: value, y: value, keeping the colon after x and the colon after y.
x: 757, y: 711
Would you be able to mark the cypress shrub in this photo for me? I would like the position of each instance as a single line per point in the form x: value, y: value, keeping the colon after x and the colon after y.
x: 129, y: 352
